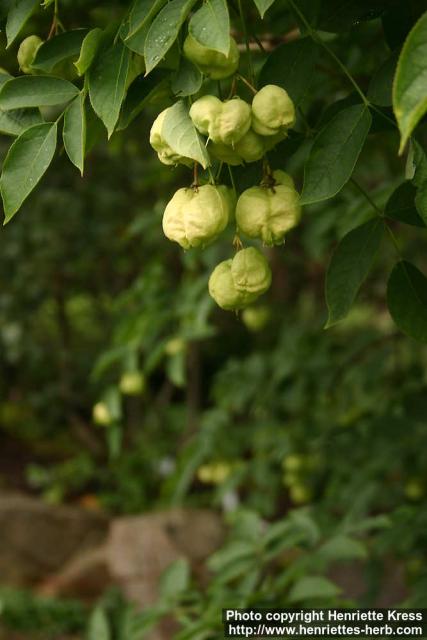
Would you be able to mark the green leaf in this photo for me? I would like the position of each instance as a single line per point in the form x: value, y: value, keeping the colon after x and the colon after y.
x: 107, y: 84
x: 99, y: 628
x: 338, y: 15
x: 18, y: 15
x: 141, y: 14
x: 421, y: 201
x: 263, y: 6
x: 342, y: 548
x: 410, y: 82
x: 334, y: 153
x: 407, y: 300
x: 350, y: 264
x: 35, y: 91
x: 210, y: 26
x: 74, y: 133
x: 57, y: 49
x: 291, y: 66
x: 141, y: 92
x: 380, y: 87
x: 401, y: 205
x: 26, y: 162
x: 180, y: 133
x: 175, y: 580
x: 14, y: 122
x: 88, y: 50
x: 313, y: 588
x: 187, y: 80
x: 135, y: 30
x: 164, y: 31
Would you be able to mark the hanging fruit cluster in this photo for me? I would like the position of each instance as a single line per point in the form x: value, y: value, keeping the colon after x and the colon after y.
x: 235, y: 133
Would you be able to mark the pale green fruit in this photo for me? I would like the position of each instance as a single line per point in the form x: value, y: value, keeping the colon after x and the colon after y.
x: 165, y: 152
x: 272, y: 111
x: 271, y: 141
x: 414, y: 490
x: 101, y: 414
x: 251, y: 272
x: 224, y: 153
x: 236, y: 283
x: 300, y: 494
x: 196, y: 216
x: 223, y: 122
x: 132, y: 383
x: 268, y: 213
x: 27, y: 52
x: 250, y: 147
x: 212, y: 63
x: 174, y: 346
x: 255, y: 318
x: 223, y: 290
x: 293, y: 462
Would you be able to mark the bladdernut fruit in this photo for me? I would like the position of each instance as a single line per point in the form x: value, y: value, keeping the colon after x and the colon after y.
x: 164, y: 151
x: 268, y: 212
x: 272, y: 111
x: 212, y: 63
x: 222, y: 122
x: 196, y: 216
x: 237, y: 282
x: 27, y: 52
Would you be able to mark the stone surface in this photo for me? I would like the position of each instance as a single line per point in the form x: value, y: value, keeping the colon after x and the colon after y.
x: 140, y: 548
x: 37, y: 539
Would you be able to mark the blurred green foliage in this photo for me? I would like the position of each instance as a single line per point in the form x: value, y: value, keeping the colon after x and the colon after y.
x: 313, y: 441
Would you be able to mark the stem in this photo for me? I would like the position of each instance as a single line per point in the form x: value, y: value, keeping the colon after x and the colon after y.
x: 233, y: 184
x: 367, y: 197
x: 195, y: 175
x: 248, y: 48
x: 247, y: 83
x: 211, y: 176
x: 221, y: 164
x: 381, y: 215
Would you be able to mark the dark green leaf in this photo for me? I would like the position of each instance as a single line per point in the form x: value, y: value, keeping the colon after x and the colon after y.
x: 18, y: 15
x: 421, y: 201
x: 291, y: 66
x: 313, y: 588
x: 141, y: 14
x: 57, y: 49
x: 35, y: 91
x: 380, y: 87
x: 401, y: 205
x: 74, y: 133
x: 139, y: 21
x: 26, y: 162
x: 407, y: 300
x: 175, y: 579
x: 98, y: 627
x: 107, y: 84
x: 341, y: 15
x: 88, y: 50
x: 141, y: 91
x: 187, y: 80
x: 164, y: 31
x: 350, y: 264
x: 409, y: 88
x: 263, y: 6
x: 14, y: 122
x: 334, y: 153
x: 179, y: 132
x: 210, y: 26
